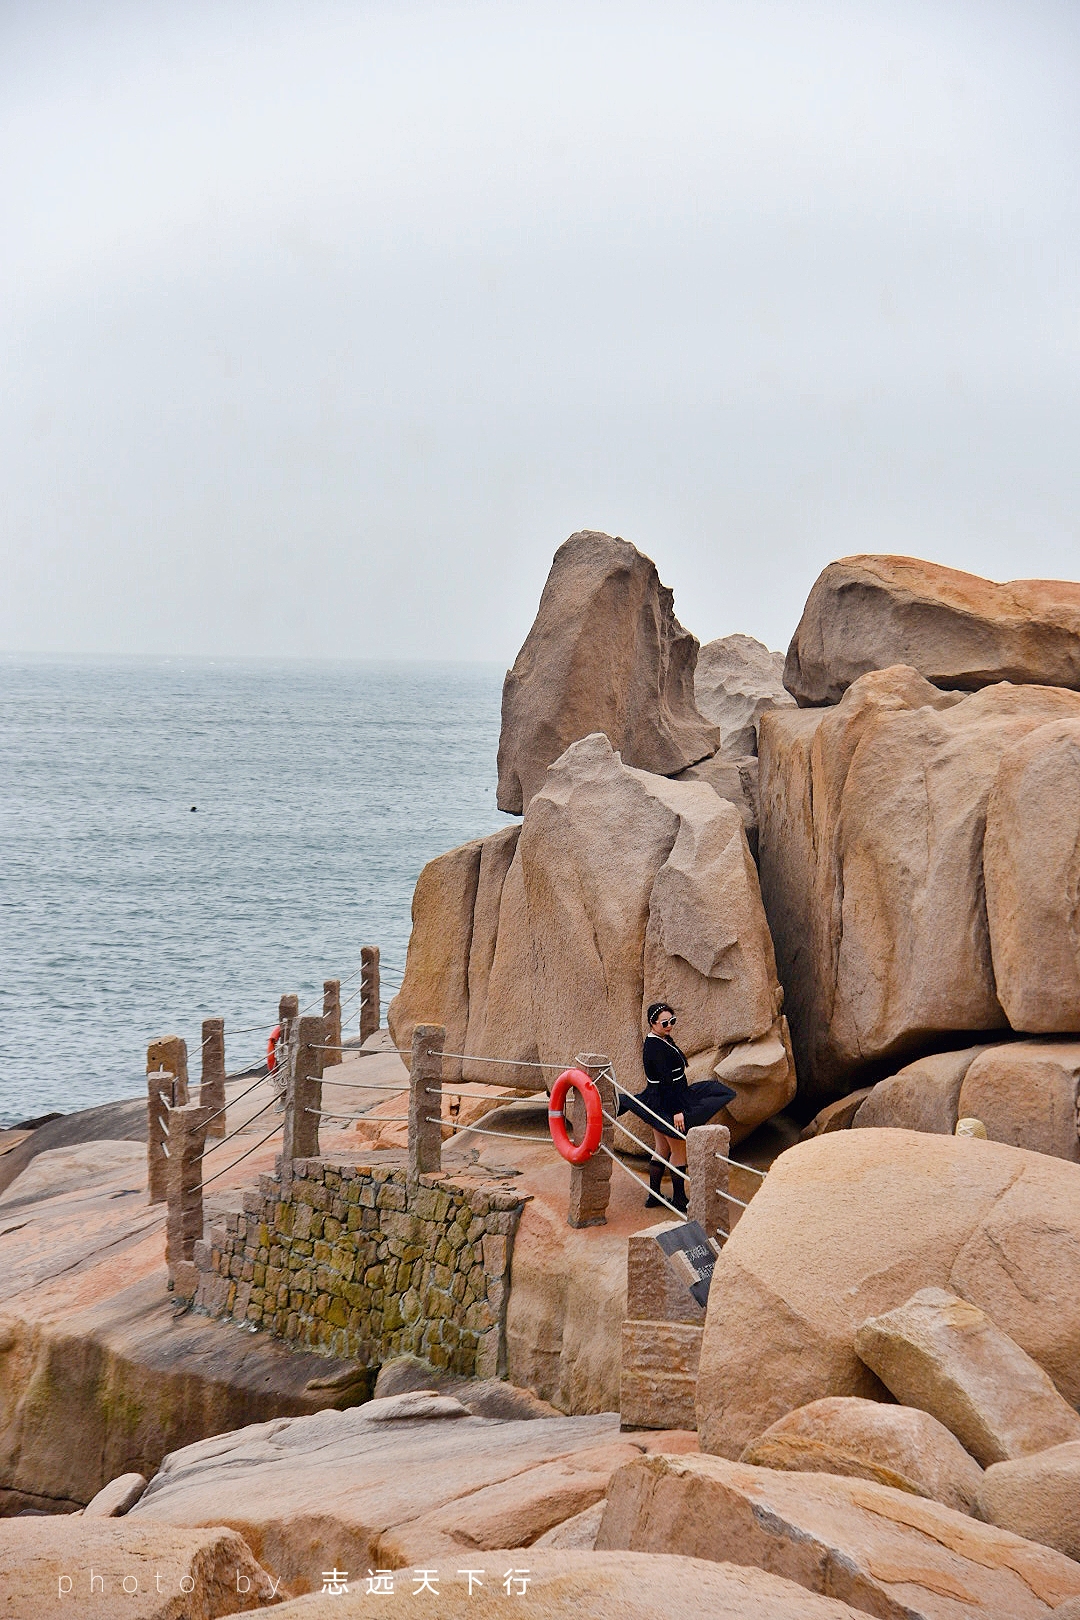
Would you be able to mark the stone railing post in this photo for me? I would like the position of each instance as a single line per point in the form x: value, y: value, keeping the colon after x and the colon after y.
x: 370, y: 991
x: 160, y: 1094
x: 170, y: 1054
x: 708, y: 1179
x: 590, y: 1184
x: 184, y: 1221
x: 212, y: 1087
x: 331, y: 1012
x: 303, y: 1096
x: 425, y: 1100
x: 288, y: 1012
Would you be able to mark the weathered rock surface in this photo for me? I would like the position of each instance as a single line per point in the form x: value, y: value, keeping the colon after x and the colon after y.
x: 945, y: 1355
x: 893, y: 1555
x: 1037, y: 1497
x: 569, y: 1585
x: 735, y: 779
x: 838, y: 1115
x: 46, y: 1563
x: 1026, y: 1093
x: 871, y: 855
x: 959, y: 631
x: 384, y: 1494
x: 623, y: 886
x: 923, y: 1096
x: 605, y: 653
x: 898, y: 1446
x: 736, y: 680
x: 850, y: 1225
x: 115, y: 1498
x: 1032, y: 864
x: 437, y: 966
x: 483, y: 1397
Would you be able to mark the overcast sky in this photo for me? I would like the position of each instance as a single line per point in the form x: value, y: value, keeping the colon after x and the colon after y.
x: 322, y: 325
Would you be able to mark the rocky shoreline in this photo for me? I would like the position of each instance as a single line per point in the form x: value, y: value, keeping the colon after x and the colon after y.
x: 854, y: 872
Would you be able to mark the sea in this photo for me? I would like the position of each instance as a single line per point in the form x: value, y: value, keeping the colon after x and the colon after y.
x: 187, y: 838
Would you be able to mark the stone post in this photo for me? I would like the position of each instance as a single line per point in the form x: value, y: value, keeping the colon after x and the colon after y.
x: 425, y: 1100
x: 212, y: 1088
x: 331, y: 1012
x: 170, y: 1053
x: 370, y: 992
x: 160, y: 1091
x: 708, y: 1179
x: 590, y: 1183
x: 303, y: 1096
x: 184, y: 1221
x: 288, y: 1012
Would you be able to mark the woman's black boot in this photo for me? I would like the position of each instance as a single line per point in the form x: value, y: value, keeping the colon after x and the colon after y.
x: 678, y: 1188
x: 656, y: 1177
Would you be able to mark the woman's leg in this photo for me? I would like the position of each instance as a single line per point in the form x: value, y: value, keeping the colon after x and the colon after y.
x: 656, y: 1171
x: 676, y: 1155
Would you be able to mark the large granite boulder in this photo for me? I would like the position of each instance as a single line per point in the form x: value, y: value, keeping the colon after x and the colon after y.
x: 945, y: 1355
x: 383, y: 1485
x: 548, y: 1584
x: 890, y: 1554
x: 957, y: 630
x: 737, y: 679
x: 605, y: 653
x: 871, y: 852
x: 922, y: 1096
x: 899, y: 1446
x: 141, y: 1571
x: 1032, y: 864
x: 623, y: 887
x: 851, y: 1225
x: 1037, y: 1497
x: 437, y: 967
x: 1025, y: 1092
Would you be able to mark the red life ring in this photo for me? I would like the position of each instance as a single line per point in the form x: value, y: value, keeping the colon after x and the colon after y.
x: 594, y: 1116
x: 271, y: 1049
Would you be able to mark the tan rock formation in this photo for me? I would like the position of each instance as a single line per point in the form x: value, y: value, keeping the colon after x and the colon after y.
x: 735, y: 778
x: 1032, y: 864
x: 923, y: 1096
x: 623, y: 886
x: 871, y: 854
x: 387, y: 1494
x: 945, y: 1355
x: 850, y: 1225
x: 435, y: 989
x: 575, y: 1585
x: 736, y: 680
x: 114, y: 1499
x: 898, y: 1446
x: 890, y: 1554
x: 1026, y: 1093
x: 605, y: 653
x: 868, y: 612
x: 171, y: 1574
x: 1037, y: 1497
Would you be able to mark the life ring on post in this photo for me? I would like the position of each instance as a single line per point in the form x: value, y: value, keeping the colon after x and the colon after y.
x: 271, y: 1049
x: 581, y: 1152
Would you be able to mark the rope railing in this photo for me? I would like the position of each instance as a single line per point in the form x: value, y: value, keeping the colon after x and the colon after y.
x: 222, y: 1141
x: 681, y: 1214
x: 509, y: 1136
x: 242, y: 1156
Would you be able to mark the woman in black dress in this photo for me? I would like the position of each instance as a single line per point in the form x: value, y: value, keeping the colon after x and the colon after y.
x: 669, y: 1095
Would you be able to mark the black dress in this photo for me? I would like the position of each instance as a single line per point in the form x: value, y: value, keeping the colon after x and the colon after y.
x: 668, y: 1092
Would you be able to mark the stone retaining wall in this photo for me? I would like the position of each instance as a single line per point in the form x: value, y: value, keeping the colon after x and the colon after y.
x: 350, y: 1260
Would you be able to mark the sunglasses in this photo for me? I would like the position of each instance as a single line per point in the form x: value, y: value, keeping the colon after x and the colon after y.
x: 666, y: 1023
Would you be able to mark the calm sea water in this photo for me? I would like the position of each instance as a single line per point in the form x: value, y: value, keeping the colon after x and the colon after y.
x: 320, y: 791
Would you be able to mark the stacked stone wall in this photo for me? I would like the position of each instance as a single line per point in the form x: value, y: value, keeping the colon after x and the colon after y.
x: 360, y: 1262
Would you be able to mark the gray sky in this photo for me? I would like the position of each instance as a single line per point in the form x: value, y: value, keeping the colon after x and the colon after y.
x: 322, y: 325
